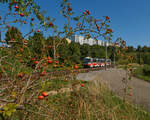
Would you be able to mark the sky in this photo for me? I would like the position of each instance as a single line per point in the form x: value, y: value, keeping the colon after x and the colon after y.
x: 130, y: 19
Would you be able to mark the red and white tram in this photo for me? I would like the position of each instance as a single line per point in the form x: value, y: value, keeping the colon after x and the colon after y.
x: 95, y: 62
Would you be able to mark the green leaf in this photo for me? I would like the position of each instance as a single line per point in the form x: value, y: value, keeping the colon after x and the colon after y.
x: 76, y: 18
x: 8, y: 113
x: 25, y: 13
x: 13, y: 110
x: 5, y: 108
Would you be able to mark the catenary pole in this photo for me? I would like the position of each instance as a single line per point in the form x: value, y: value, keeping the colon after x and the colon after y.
x: 105, y: 55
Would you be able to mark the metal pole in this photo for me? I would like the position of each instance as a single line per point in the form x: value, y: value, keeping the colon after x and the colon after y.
x: 114, y: 57
x: 105, y: 55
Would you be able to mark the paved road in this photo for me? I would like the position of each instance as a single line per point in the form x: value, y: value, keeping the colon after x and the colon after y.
x: 113, y: 78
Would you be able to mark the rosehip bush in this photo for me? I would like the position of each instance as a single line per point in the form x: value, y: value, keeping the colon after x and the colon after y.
x: 25, y: 63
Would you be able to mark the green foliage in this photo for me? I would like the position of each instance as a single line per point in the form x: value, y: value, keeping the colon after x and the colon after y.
x: 9, y: 109
x: 89, y: 102
x: 74, y: 52
x: 85, y: 50
x: 145, y: 49
x: 25, y: 6
x: 141, y: 55
x: 139, y: 48
x: 37, y: 45
x: 61, y: 47
x: 146, y: 70
x: 13, y: 35
x: 122, y: 61
x: 139, y: 58
x: 146, y: 58
x: 97, y: 51
x: 139, y: 72
x: 113, y: 54
x: 63, y: 50
x: 50, y: 46
x: 130, y: 49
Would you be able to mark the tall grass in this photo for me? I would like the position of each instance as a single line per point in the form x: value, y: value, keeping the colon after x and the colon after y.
x: 91, y: 102
x: 139, y: 73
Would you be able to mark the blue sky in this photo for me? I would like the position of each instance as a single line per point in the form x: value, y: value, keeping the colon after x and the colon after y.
x: 130, y: 19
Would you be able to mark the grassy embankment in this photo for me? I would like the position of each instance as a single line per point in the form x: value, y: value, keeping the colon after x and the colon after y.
x: 139, y: 71
x: 142, y: 72
x: 78, y: 100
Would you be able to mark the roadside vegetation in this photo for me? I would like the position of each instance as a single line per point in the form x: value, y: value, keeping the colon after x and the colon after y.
x: 29, y: 92
x: 140, y: 71
x: 140, y: 62
x: 143, y: 72
x: 72, y: 100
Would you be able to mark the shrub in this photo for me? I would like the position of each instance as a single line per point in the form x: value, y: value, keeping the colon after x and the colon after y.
x: 122, y: 61
x: 146, y: 58
x: 146, y: 70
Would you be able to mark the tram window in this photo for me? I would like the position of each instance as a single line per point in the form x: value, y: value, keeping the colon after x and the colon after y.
x: 108, y: 60
x: 97, y: 60
x: 102, y: 60
x: 94, y: 60
x: 87, y: 60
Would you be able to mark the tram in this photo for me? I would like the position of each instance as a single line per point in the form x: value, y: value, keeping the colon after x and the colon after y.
x: 95, y: 62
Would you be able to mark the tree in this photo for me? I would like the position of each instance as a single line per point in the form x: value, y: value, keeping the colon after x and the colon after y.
x: 139, y: 58
x: 29, y: 7
x: 74, y: 52
x: 146, y: 58
x: 113, y: 54
x: 62, y: 50
x: 130, y: 49
x: 57, y: 47
x: 85, y: 51
x: 13, y: 35
x: 37, y: 44
x: 139, y: 48
x: 145, y: 49
x: 97, y: 51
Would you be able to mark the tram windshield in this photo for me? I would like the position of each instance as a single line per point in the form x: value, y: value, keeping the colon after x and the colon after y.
x: 108, y: 60
x: 86, y: 60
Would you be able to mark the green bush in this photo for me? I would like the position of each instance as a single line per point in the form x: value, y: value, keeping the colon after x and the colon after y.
x: 122, y: 62
x: 146, y: 70
x: 146, y: 58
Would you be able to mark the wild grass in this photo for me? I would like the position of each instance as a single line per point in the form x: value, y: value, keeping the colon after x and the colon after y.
x: 94, y: 101
x: 138, y: 72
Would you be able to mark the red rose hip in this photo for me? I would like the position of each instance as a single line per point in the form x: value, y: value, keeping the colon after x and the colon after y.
x: 44, y: 94
x: 40, y: 97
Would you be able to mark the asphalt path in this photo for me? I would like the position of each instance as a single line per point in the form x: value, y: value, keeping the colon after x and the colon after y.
x: 139, y: 90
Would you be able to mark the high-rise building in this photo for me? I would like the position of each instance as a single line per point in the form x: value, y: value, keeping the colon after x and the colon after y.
x: 82, y: 40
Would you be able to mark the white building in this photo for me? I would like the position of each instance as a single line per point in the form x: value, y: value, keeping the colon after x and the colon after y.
x: 82, y: 40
